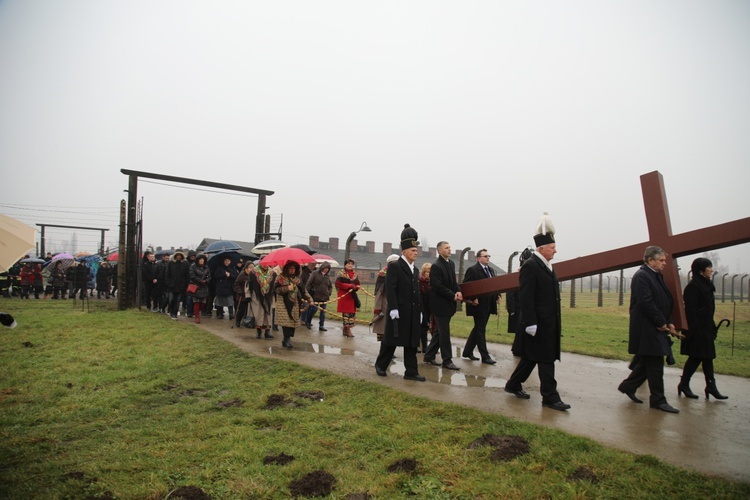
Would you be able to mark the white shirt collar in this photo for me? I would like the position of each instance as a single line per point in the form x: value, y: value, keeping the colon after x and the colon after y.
x: 541, y: 257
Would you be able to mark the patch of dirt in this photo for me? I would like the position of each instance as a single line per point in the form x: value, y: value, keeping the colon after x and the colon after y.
x: 312, y: 395
x: 505, y: 447
x: 280, y: 459
x: 278, y: 400
x: 230, y: 403
x: 28, y: 344
x: 584, y: 474
x: 403, y: 465
x: 69, y: 385
x: 318, y: 483
x: 189, y: 493
x: 170, y: 387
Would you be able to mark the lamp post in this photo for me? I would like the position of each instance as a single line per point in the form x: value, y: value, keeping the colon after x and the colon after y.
x: 363, y: 227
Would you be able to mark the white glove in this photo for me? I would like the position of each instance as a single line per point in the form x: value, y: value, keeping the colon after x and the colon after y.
x: 531, y: 330
x: 394, y: 313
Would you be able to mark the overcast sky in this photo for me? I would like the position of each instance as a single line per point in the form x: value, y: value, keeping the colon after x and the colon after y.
x: 465, y: 119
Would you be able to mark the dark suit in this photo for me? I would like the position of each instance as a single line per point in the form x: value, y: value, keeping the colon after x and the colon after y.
x: 650, y: 308
x: 539, y: 298
x: 480, y: 313
x: 402, y: 293
x: 443, y: 288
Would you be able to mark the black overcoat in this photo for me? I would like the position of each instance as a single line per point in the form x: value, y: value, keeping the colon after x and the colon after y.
x: 650, y: 308
x: 487, y: 303
x: 402, y: 293
x: 443, y: 287
x: 539, y: 298
x: 699, y: 312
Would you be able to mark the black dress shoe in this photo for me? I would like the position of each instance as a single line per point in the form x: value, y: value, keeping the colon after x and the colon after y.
x: 560, y: 406
x: 451, y: 366
x: 418, y: 378
x: 632, y: 396
x: 380, y: 372
x: 471, y: 357
x: 431, y: 361
x: 665, y: 407
x: 489, y: 361
x: 287, y: 344
x: 322, y: 329
x: 520, y: 393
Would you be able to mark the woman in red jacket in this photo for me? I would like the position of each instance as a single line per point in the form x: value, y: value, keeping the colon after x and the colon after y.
x: 347, y: 284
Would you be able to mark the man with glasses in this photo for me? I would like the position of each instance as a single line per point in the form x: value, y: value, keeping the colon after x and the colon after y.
x: 480, y: 309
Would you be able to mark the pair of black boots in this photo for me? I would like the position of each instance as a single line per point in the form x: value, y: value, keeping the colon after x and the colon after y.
x: 684, y: 388
x: 260, y: 332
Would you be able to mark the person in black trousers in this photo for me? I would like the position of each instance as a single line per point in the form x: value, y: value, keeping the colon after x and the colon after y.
x: 539, y: 325
x: 650, y: 327
x: 404, y: 309
x: 480, y: 310
x: 444, y: 296
x: 698, y: 344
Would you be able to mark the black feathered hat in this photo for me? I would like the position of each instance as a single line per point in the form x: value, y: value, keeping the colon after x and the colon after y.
x: 545, y: 231
x: 409, y: 237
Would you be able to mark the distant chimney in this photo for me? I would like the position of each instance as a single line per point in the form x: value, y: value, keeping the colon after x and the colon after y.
x: 370, y: 246
x: 353, y: 246
x: 333, y: 244
x: 471, y: 255
x: 432, y: 252
x: 314, y: 241
x: 388, y: 248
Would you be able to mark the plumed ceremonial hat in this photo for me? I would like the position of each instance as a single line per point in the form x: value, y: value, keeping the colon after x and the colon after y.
x: 545, y: 231
x: 409, y: 237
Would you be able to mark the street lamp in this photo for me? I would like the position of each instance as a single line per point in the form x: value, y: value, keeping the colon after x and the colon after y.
x: 363, y: 227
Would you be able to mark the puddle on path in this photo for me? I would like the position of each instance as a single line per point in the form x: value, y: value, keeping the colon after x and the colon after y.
x: 432, y: 373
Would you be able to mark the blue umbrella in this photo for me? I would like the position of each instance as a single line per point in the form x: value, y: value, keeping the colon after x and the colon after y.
x: 222, y: 246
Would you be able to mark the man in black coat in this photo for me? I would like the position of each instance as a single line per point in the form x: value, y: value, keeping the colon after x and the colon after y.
x: 402, y: 326
x: 539, y: 325
x: 650, y: 326
x: 480, y: 310
x: 444, y: 296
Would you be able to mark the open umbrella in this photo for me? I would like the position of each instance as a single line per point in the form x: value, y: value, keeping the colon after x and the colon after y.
x: 81, y: 255
x: 160, y: 253
x: 113, y: 257
x: 221, y: 246
x: 218, y: 259
x: 304, y: 248
x: 16, y: 238
x: 66, y: 259
x: 283, y: 255
x: 268, y: 246
x: 32, y: 260
x: 320, y: 258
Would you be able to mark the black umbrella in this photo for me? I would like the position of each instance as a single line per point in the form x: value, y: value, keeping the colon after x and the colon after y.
x: 222, y: 246
x: 218, y: 259
x: 304, y: 248
x: 160, y: 253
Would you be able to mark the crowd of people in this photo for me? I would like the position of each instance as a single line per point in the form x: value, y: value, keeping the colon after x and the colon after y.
x: 60, y: 279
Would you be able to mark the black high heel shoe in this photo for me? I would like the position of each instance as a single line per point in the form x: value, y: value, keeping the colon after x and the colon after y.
x: 684, y: 388
x: 713, y: 391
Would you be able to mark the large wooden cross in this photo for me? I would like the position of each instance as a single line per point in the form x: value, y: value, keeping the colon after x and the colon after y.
x: 659, y: 233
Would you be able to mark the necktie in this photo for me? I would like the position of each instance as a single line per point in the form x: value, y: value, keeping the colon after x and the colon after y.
x: 487, y: 272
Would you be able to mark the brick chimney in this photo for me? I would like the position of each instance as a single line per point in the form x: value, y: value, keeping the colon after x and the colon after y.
x: 471, y: 255
x: 333, y: 244
x: 388, y: 248
x: 433, y: 252
x: 353, y: 246
x: 370, y: 245
x: 314, y: 241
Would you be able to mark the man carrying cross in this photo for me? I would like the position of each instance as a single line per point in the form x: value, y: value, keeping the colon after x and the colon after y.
x: 539, y: 325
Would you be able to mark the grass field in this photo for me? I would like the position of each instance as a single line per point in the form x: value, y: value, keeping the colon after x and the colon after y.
x: 124, y: 404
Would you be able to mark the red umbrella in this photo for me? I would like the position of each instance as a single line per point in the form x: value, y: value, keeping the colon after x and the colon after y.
x: 113, y: 257
x: 283, y: 255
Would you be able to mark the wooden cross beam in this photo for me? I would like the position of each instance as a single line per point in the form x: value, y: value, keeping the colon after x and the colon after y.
x: 659, y: 233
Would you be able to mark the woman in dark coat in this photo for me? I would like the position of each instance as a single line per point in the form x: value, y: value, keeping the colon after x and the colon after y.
x: 698, y: 344
x: 103, y: 280
x: 225, y: 275
x: 199, y: 274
